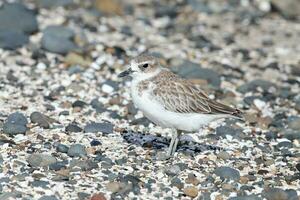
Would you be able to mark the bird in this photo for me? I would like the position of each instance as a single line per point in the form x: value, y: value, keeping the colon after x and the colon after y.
x: 170, y: 101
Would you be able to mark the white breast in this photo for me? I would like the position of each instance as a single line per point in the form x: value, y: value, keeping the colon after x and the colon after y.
x: 156, y: 112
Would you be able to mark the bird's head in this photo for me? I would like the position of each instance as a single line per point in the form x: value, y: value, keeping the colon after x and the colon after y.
x: 142, y: 67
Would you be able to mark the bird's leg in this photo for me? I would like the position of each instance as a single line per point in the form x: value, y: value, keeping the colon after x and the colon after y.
x: 173, y: 143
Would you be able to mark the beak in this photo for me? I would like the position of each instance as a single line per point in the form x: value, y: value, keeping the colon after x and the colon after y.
x: 125, y: 73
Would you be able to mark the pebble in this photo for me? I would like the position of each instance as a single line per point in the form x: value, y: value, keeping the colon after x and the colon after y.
x: 12, y: 40
x: 84, y: 165
x: 73, y: 128
x: 62, y: 148
x: 173, y: 170
x: 246, y: 197
x: 15, y: 124
x: 97, y: 105
x: 41, y: 119
x: 77, y: 150
x: 227, y: 173
x: 17, y: 18
x: 275, y: 194
x: 253, y: 85
x: 93, y: 127
x: 95, y: 143
x: 223, y: 155
x: 58, y: 39
x: 191, y: 191
x: 98, y: 196
x: 48, y: 197
x: 227, y: 130
x: 40, y: 160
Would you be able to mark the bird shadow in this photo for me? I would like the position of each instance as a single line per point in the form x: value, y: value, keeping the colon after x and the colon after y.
x: 186, y: 144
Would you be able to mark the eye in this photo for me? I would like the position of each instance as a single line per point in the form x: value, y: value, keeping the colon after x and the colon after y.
x: 145, y: 65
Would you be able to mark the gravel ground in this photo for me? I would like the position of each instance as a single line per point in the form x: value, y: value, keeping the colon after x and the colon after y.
x: 68, y: 129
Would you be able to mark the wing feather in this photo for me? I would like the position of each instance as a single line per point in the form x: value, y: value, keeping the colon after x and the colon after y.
x: 179, y: 95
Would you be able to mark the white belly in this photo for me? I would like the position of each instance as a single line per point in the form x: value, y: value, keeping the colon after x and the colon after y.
x: 154, y: 111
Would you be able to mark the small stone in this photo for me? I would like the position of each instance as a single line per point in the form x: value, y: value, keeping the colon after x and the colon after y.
x: 227, y: 173
x: 295, y: 124
x: 98, y: 196
x: 95, y: 143
x: 58, y: 165
x: 192, y: 179
x: 94, y: 127
x: 115, y: 186
x: 176, y: 182
x: 227, y: 130
x: 62, y: 148
x: 191, y: 191
x: 73, y: 128
x: 40, y: 160
x: 41, y: 119
x: 58, y: 39
x: 48, y: 197
x: 15, y: 124
x: 97, y: 105
x: 223, y: 155
x: 253, y: 85
x: 275, y: 194
x: 173, y: 170
x: 288, y: 8
x: 79, y: 103
x: 84, y: 165
x: 77, y: 150
x: 17, y: 18
x: 11, y: 40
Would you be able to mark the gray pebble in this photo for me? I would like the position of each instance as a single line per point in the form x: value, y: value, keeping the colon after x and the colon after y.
x: 77, y: 150
x: 40, y: 160
x: 15, y: 124
x: 40, y: 119
x: 227, y: 173
x: 94, y: 127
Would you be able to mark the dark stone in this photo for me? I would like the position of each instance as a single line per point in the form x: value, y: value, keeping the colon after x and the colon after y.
x: 85, y: 165
x: 176, y: 182
x: 284, y: 144
x: 141, y: 121
x: 58, y: 39
x: 58, y: 165
x: 222, y: 131
x: 172, y: 170
x: 275, y: 194
x: 62, y: 148
x: 227, y: 173
x: 253, y: 85
x: 73, y: 128
x: 48, y: 197
x: 77, y: 150
x: 298, y: 166
x: 95, y: 143
x: 15, y: 124
x: 38, y: 183
x: 94, y: 127
x: 40, y: 160
x: 11, y: 40
x: 192, y: 70
x: 41, y: 119
x: 79, y: 103
x: 250, y: 99
x: 97, y: 105
x: 288, y: 8
x: 292, y: 194
x: 162, y: 11
x: 15, y: 17
x: 65, y: 113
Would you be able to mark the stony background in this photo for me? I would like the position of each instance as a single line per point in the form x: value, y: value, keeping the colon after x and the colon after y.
x: 68, y: 129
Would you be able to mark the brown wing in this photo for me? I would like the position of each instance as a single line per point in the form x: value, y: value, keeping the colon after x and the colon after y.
x: 179, y: 95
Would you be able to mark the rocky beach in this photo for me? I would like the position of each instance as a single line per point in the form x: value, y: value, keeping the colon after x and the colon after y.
x: 68, y: 127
